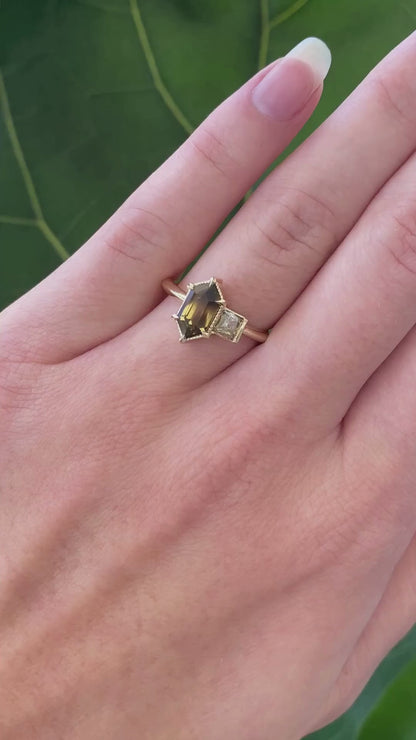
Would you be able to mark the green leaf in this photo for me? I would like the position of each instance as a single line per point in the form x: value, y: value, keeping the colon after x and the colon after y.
x: 95, y: 94
x: 349, y: 726
x: 395, y: 717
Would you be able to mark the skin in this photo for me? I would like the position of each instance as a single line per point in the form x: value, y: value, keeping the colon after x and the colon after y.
x: 213, y: 540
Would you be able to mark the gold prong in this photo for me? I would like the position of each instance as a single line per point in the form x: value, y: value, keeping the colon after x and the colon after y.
x: 228, y: 331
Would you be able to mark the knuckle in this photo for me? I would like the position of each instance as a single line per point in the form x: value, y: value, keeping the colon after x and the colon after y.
x: 402, y: 246
x: 137, y: 233
x: 294, y: 222
x: 17, y: 386
x: 392, y: 506
x: 379, y: 492
x: 214, y: 152
x: 395, y: 94
x: 366, y: 515
x: 24, y: 377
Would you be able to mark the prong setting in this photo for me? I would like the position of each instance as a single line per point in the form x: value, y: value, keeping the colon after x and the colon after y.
x: 204, y: 312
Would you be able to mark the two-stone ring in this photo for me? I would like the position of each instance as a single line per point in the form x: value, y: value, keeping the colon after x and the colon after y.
x: 204, y: 313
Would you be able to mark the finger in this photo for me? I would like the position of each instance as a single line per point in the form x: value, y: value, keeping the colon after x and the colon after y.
x: 115, y: 279
x: 356, y: 311
x: 394, y: 617
x: 276, y: 243
x: 382, y: 421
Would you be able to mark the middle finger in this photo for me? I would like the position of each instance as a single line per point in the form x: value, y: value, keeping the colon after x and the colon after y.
x: 276, y: 243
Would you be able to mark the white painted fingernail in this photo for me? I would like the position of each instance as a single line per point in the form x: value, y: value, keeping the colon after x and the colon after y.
x: 288, y: 85
x: 314, y: 52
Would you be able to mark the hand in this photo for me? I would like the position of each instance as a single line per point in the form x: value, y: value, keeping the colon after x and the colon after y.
x: 215, y: 540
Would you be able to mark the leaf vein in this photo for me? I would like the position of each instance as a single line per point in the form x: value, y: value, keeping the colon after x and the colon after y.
x: 286, y: 14
x: 154, y: 69
x: 17, y: 220
x: 264, y: 33
x: 27, y: 177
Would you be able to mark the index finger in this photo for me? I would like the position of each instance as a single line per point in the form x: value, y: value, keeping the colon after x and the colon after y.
x: 115, y: 279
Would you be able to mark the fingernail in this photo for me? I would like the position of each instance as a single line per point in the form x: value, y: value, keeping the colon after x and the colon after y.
x: 314, y: 52
x: 285, y: 90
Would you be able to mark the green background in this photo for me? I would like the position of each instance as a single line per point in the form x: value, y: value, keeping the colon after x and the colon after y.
x: 94, y: 94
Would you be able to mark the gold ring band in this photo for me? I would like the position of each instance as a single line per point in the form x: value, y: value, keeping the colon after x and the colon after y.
x: 204, y: 312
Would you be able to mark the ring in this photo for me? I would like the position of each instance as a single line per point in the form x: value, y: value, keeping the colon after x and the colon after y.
x: 204, y: 312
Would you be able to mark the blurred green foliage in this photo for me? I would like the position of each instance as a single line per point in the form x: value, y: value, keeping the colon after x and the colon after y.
x: 395, y: 716
x: 94, y: 94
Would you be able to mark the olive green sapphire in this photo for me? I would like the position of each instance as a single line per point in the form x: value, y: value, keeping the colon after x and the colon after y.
x: 200, y: 307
